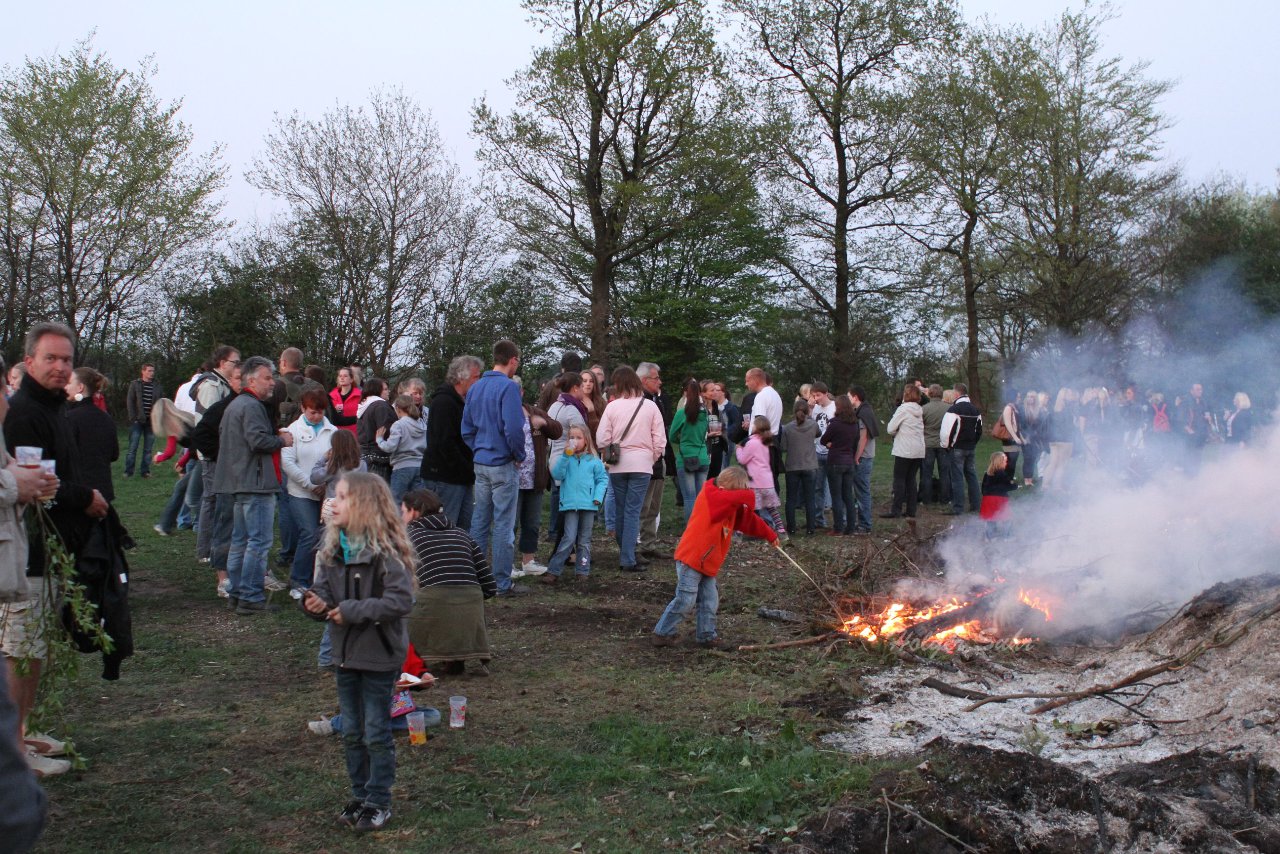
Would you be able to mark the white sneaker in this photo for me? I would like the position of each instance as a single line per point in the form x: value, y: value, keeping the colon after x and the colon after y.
x: 320, y: 727
x: 224, y: 588
x: 517, y: 573
x: 44, y: 766
x: 295, y: 593
x: 270, y: 582
x: 45, y: 744
x: 205, y: 560
x: 159, y: 530
x: 531, y: 568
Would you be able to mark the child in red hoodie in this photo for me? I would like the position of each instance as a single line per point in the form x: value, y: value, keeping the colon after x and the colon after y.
x: 725, y: 505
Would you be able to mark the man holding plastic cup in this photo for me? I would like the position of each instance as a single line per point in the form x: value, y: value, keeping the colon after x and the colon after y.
x: 37, y: 419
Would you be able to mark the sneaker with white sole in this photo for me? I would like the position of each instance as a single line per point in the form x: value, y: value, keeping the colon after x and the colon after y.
x: 532, y: 568
x: 322, y: 727
x: 517, y: 573
x: 296, y: 593
x: 270, y: 582
x: 44, y: 744
x: 373, y: 818
x: 159, y: 529
x: 224, y: 588
x: 46, y: 766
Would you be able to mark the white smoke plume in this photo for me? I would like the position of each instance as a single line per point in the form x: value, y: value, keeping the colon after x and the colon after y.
x: 1122, y: 541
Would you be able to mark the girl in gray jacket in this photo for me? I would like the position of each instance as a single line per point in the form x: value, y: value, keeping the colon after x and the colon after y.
x: 406, y: 442
x: 364, y: 590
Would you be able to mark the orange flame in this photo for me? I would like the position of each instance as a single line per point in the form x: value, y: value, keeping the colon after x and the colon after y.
x: 1033, y: 600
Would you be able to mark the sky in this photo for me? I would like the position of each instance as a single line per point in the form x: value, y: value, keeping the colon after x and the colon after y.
x: 236, y: 69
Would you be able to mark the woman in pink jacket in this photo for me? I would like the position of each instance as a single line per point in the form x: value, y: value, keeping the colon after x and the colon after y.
x: 635, y: 424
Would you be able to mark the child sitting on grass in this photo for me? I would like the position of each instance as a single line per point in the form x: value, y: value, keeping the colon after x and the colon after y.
x: 364, y: 589
x: 725, y: 505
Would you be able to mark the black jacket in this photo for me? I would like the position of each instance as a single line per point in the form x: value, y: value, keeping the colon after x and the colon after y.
x: 95, y: 435
x: 668, y: 458
x: 37, y: 418
x: 448, y: 459
x: 204, y: 437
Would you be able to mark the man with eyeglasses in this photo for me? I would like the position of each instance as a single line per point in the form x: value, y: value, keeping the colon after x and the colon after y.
x: 210, y: 388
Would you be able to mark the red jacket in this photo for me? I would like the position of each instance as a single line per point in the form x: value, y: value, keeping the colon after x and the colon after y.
x: 716, y: 515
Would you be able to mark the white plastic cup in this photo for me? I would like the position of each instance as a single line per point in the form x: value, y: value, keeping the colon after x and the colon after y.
x: 417, y: 727
x: 27, y: 456
x: 457, y: 712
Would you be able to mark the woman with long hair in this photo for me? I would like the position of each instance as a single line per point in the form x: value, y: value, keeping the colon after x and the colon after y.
x: 1063, y: 432
x: 688, y: 436
x: 635, y: 425
x: 344, y: 401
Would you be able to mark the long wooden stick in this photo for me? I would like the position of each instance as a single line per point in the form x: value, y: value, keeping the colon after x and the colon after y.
x: 757, y: 647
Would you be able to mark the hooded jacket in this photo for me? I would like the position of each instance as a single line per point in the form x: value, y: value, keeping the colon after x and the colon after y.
x: 583, y: 481
x: 406, y: 442
x: 374, y: 593
x: 709, y: 532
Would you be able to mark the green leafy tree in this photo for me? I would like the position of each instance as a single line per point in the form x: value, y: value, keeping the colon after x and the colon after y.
x: 828, y: 75
x: 1085, y: 177
x: 626, y: 138
x: 99, y: 189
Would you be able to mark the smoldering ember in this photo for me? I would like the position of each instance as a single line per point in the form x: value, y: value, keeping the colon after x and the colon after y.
x: 1103, y: 676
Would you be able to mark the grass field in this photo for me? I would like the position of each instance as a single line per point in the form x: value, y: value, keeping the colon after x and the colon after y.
x: 584, y: 737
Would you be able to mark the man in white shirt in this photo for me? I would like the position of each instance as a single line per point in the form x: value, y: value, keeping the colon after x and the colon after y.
x: 768, y: 403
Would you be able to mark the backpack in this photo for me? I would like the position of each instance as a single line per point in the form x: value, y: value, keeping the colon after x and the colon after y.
x: 1160, y: 420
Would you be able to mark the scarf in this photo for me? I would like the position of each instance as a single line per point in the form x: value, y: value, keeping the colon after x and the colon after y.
x: 570, y: 400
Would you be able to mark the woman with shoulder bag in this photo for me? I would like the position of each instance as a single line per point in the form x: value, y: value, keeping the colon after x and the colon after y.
x: 632, y: 437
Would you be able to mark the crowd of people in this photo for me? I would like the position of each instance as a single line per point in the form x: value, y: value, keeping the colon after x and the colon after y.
x: 399, y: 511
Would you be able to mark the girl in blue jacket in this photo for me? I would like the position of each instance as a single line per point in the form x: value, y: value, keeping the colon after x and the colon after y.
x: 583, y: 481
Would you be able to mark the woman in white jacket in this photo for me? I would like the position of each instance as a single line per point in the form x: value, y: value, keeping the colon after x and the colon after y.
x: 907, y: 429
x: 312, y: 435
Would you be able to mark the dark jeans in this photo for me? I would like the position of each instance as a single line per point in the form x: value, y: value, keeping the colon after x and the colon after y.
x: 862, y: 487
x: 529, y: 518
x: 964, y: 477
x: 306, y: 520
x: 457, y: 500
x: 139, y: 432
x: 942, y: 458
x: 364, y: 697
x: 220, y: 526
x: 801, y: 488
x: 1012, y: 466
x: 906, y: 472
x: 288, y: 531
x: 843, y: 510
x: 1031, y: 458
x: 208, y: 500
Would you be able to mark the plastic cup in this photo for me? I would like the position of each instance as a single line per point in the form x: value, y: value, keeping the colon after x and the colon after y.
x: 417, y: 727
x: 457, y: 712
x: 27, y: 456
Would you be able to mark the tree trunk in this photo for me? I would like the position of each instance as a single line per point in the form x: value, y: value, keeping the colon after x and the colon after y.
x: 601, y: 271
x: 971, y: 311
x: 842, y: 346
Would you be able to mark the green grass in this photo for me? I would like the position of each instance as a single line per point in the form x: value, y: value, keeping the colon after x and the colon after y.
x: 584, y: 734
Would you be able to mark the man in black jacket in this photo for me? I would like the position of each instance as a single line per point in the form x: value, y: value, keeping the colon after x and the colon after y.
x: 205, y: 440
x: 37, y: 418
x: 961, y: 430
x: 143, y: 394
x: 447, y: 468
x: 651, y: 378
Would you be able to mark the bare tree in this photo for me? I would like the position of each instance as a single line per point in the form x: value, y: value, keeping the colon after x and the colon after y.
x: 385, y: 210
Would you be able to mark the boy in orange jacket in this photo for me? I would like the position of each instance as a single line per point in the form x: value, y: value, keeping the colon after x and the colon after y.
x: 725, y: 505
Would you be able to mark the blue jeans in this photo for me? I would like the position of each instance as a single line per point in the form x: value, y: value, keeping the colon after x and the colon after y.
x: 942, y: 457
x: 208, y: 506
x: 629, y: 491
x: 403, y: 481
x: 843, y: 514
x: 324, y: 658
x: 456, y: 499
x: 364, y: 698
x: 252, y: 515
x: 306, y: 518
x: 288, y: 531
x: 493, y: 523
x: 220, y: 537
x: 177, y: 501
x: 800, y: 488
x: 692, y: 587
x: 139, y: 432
x: 577, y: 531
x: 862, y: 486
x: 964, y: 471
x: 555, y: 527
x: 189, y: 515
x: 529, y: 514
x: 690, y: 485
x: 822, y: 492
x: 610, y: 510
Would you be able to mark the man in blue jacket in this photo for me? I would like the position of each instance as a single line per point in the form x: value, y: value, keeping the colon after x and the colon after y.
x: 493, y: 428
